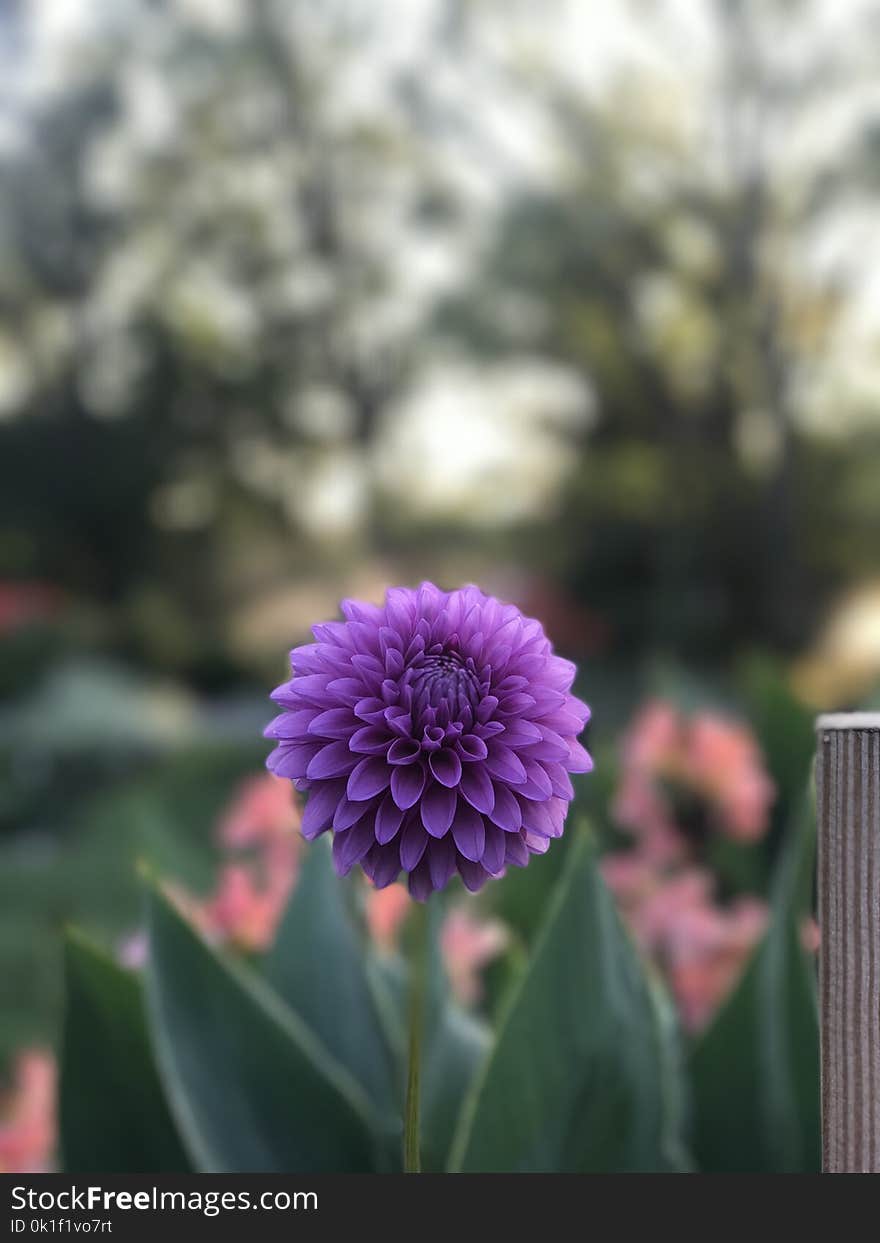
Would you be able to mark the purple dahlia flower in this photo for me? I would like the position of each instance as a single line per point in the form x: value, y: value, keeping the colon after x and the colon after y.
x: 433, y: 734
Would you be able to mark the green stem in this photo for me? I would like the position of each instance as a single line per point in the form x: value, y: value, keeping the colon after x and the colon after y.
x: 418, y: 977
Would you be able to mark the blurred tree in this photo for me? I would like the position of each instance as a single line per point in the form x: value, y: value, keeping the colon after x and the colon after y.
x: 671, y: 257
x: 196, y: 307
x: 214, y: 223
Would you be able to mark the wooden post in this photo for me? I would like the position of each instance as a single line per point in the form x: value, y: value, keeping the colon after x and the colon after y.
x: 848, y: 801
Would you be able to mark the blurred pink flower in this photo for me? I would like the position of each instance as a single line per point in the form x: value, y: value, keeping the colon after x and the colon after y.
x: 811, y: 937
x: 699, y: 946
x: 28, y: 1126
x: 259, y: 833
x: 652, y: 750
x: 468, y: 945
x: 240, y: 912
x: 713, y: 763
x: 262, y: 810
x: 724, y: 762
x: 706, y: 952
x: 386, y: 910
x: 652, y: 900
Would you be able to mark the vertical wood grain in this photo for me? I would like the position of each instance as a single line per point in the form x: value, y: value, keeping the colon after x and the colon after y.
x: 848, y: 801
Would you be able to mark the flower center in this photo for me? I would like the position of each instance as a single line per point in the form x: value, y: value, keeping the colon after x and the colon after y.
x: 445, y: 679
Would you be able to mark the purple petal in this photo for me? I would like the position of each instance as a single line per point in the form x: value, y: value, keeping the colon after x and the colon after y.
x: 370, y: 709
x: 476, y: 786
x: 413, y: 842
x: 521, y: 733
x: 494, y: 851
x: 348, y: 690
x: 536, y: 775
x: 547, y: 818
x: 510, y: 684
x: 311, y: 689
x: 469, y: 832
x: 547, y: 701
x: 441, y: 860
x: 507, y: 812
x: 421, y: 884
x: 389, y: 818
x: 336, y: 723
x: 404, y: 751
x: 472, y: 748
x: 371, y: 666
x: 369, y: 778
x: 291, y: 725
x: 516, y: 705
x: 400, y: 609
x: 473, y: 875
x: 437, y: 807
x: 560, y: 781
x: 382, y: 865
x: 370, y: 740
x: 351, y: 846
x: 567, y: 722
x: 322, y: 802
x: 560, y: 673
x: 504, y: 763
x: 446, y: 767
x: 292, y: 760
x: 399, y: 720
x: 305, y: 659
x: 347, y: 813
x: 407, y: 783
x: 515, y: 850
x: 334, y: 760
x: 551, y: 747
x: 579, y: 760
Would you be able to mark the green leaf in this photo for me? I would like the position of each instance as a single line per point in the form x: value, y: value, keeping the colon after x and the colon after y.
x: 251, y: 1087
x: 756, y: 1070
x: 114, y: 1118
x: 318, y: 966
x: 580, y: 1078
x: 455, y: 1050
x: 785, y: 729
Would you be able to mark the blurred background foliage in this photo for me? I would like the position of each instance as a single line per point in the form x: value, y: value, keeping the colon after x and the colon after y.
x: 297, y: 301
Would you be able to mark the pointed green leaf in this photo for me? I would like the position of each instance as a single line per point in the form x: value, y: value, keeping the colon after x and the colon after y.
x: 114, y: 1118
x: 578, y: 1079
x: 251, y: 1087
x: 756, y: 1070
x: 318, y: 966
x: 455, y: 1051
